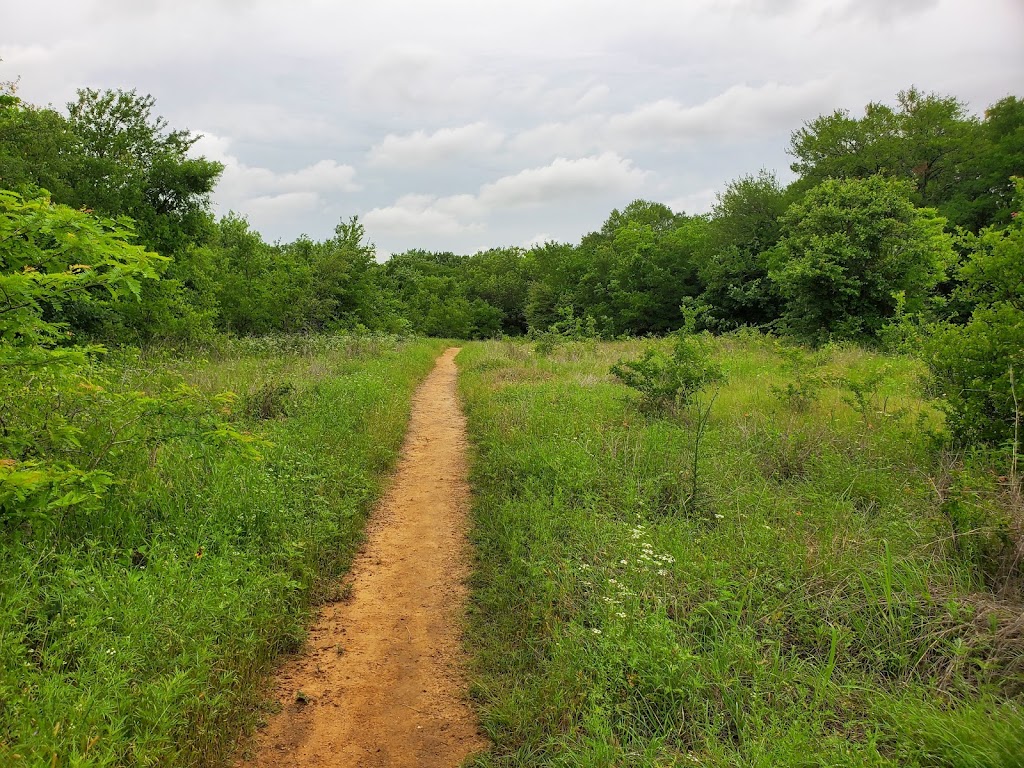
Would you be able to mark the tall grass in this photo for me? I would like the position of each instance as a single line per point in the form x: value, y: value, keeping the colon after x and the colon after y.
x: 138, y: 635
x: 804, y: 609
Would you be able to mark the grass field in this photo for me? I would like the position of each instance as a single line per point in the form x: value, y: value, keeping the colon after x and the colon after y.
x: 139, y: 633
x: 839, y: 591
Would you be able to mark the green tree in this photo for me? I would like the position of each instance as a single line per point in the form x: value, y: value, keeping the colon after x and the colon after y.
x: 51, y: 254
x: 498, y: 277
x: 744, y: 227
x: 925, y: 139
x: 38, y: 149
x: 984, y: 193
x: 851, y: 251
x: 638, y: 269
x: 973, y: 363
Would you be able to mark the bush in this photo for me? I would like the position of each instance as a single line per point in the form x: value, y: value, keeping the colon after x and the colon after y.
x: 668, y: 382
x: 972, y: 363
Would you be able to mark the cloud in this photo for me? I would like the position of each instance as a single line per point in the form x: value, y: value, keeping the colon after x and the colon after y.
x: 539, y: 239
x: 582, y: 134
x: 738, y: 112
x: 883, y: 10
x: 420, y: 149
x: 262, y: 122
x: 275, y: 208
x: 741, y: 110
x: 695, y: 203
x: 564, y: 180
x: 261, y: 190
x: 416, y: 215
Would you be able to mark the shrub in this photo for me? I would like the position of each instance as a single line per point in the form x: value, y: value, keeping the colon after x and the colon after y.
x: 972, y: 364
x: 667, y: 382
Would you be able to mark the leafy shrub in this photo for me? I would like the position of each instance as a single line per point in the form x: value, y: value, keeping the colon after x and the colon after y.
x: 270, y: 401
x: 973, y: 364
x: 848, y: 249
x: 667, y: 382
x: 570, y: 328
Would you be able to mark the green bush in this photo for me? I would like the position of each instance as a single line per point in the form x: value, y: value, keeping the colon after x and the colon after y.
x: 668, y: 382
x: 973, y: 364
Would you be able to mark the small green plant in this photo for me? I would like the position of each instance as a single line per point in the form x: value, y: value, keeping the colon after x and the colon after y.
x: 271, y: 400
x: 804, y: 387
x: 669, y: 382
x: 570, y: 328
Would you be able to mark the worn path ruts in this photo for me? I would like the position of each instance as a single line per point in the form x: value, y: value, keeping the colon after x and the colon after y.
x: 382, y: 674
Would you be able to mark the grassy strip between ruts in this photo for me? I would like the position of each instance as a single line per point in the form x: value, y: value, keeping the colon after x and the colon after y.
x: 139, y: 635
x: 821, y: 602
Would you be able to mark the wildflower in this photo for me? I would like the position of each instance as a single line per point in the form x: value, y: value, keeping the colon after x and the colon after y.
x: 624, y: 562
x: 662, y: 572
x: 719, y: 517
x: 596, y: 631
x: 621, y: 615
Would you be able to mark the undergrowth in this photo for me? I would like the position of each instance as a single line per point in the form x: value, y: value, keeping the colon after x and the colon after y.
x: 846, y: 592
x: 135, y: 628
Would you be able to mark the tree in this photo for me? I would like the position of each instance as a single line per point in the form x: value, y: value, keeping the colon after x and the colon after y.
x: 974, y: 364
x: 51, y: 253
x: 851, y: 251
x: 926, y: 139
x: 744, y: 227
x: 984, y: 193
x: 38, y: 149
x: 131, y: 164
x: 498, y: 278
x: 635, y: 272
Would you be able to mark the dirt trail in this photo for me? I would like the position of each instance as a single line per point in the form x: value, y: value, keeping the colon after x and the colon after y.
x: 382, y: 675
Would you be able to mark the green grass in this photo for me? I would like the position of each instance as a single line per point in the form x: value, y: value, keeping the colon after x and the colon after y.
x: 139, y: 633
x: 812, y: 606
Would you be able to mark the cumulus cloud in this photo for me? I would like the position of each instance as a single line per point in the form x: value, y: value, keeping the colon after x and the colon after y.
x: 694, y: 203
x: 884, y: 10
x: 738, y: 111
x: 564, y: 180
x: 420, y: 149
x: 417, y: 215
x: 268, y: 194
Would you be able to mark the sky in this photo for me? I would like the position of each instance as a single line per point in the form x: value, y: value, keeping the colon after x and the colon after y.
x: 457, y: 125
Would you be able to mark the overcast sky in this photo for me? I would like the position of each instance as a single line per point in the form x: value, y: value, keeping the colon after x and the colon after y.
x: 465, y: 124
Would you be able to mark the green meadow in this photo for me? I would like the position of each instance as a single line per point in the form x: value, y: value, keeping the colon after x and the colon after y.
x: 140, y: 631
x: 835, y: 589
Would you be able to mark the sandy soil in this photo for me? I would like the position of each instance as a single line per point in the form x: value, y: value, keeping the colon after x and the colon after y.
x: 381, y: 681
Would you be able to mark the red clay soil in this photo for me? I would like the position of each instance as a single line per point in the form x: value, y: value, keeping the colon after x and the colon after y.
x: 381, y: 681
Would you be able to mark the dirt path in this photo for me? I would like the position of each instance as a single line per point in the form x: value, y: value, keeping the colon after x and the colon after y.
x: 380, y: 683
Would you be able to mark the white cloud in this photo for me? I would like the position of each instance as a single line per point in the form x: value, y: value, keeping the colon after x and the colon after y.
x: 270, y: 197
x: 694, y: 203
x: 741, y: 110
x: 324, y: 176
x: 538, y: 239
x: 564, y: 180
x: 277, y: 207
x: 582, y: 134
x: 416, y: 215
x: 421, y: 149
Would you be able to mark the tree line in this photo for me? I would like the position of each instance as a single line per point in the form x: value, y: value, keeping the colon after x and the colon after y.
x: 900, y: 227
